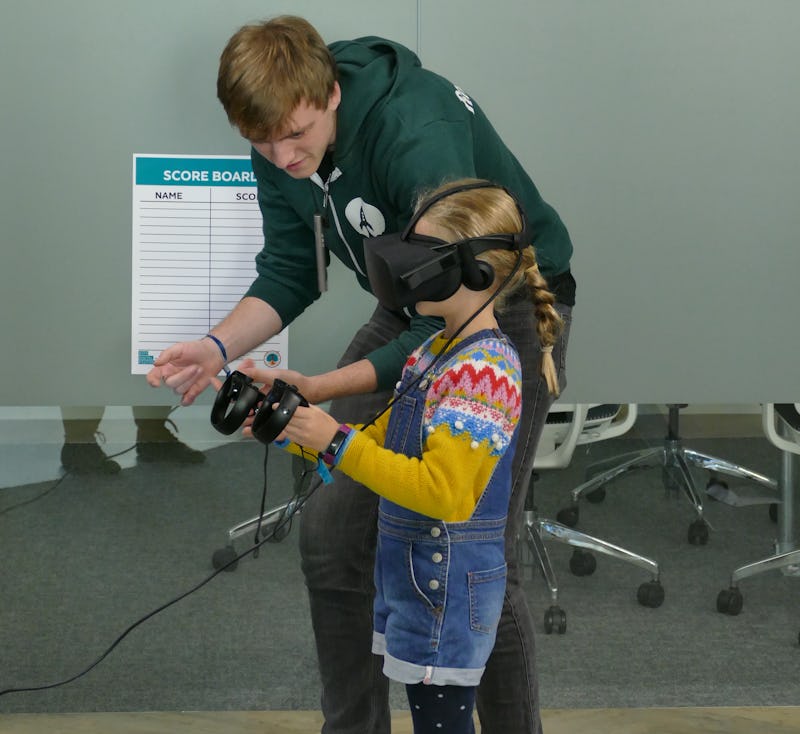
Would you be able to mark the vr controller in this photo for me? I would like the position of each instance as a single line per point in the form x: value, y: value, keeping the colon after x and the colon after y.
x: 238, y: 396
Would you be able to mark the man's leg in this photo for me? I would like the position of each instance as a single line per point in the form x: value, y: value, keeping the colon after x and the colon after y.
x: 155, y: 442
x: 508, y: 695
x: 81, y: 453
x: 338, y: 533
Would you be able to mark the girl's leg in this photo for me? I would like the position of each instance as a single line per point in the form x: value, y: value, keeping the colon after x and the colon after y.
x: 441, y: 709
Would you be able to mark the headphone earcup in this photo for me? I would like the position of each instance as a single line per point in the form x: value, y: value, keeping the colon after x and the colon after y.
x: 476, y: 275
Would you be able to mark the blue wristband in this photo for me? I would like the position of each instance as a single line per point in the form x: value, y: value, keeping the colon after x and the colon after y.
x: 324, y: 472
x: 222, y: 351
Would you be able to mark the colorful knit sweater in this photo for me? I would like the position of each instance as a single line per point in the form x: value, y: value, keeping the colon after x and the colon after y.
x: 471, y: 410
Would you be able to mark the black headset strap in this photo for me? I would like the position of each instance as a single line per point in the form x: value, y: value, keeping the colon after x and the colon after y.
x: 428, y: 203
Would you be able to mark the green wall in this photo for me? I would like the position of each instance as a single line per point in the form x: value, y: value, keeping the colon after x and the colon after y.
x: 666, y: 134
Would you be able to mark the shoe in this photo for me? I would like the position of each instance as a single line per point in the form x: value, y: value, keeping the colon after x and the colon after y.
x: 156, y: 443
x: 87, y: 458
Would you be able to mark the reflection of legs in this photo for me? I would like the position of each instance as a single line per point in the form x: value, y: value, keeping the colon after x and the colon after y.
x: 508, y: 695
x: 154, y: 440
x: 80, y: 452
x: 338, y: 532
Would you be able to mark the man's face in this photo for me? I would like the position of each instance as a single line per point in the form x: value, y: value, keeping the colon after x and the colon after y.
x: 299, y: 149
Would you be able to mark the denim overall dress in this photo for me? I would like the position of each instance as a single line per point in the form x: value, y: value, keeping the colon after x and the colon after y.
x: 439, y: 585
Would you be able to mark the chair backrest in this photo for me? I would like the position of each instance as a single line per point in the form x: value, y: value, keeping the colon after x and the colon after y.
x: 573, y: 424
x: 781, y: 423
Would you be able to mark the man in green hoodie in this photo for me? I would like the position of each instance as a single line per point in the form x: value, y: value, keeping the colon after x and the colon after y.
x: 345, y: 138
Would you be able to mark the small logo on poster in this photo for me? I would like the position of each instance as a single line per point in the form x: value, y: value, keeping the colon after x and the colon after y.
x: 272, y: 359
x: 145, y: 357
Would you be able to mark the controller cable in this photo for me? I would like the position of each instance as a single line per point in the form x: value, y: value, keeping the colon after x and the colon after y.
x: 55, y: 485
x: 293, y: 507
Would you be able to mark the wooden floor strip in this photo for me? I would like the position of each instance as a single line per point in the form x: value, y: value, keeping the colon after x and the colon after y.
x: 768, y: 720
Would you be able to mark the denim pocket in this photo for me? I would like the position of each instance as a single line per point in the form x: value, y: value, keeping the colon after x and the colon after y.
x: 486, y: 592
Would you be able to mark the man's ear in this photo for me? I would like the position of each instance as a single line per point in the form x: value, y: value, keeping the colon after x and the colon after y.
x: 336, y: 97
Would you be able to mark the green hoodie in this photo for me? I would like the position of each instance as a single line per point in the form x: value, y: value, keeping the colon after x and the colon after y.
x: 400, y: 130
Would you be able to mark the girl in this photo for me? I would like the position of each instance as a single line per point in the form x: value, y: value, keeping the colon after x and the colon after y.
x: 440, y: 456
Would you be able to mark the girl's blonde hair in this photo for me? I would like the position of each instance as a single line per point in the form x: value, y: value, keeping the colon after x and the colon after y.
x: 492, y: 210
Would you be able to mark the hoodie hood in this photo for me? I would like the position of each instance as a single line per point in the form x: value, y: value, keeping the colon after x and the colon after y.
x: 370, y: 68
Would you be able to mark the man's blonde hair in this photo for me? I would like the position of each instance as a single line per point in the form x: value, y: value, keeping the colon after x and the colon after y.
x: 267, y: 69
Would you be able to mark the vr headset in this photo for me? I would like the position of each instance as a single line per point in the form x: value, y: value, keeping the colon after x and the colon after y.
x: 404, y: 268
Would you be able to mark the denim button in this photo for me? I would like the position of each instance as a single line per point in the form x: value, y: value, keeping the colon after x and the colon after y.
x: 433, y: 584
x: 437, y: 557
x: 436, y: 532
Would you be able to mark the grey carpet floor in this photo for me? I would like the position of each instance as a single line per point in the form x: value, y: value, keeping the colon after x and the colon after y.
x: 87, y: 558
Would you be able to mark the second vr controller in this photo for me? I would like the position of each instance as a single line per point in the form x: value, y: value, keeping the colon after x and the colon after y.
x: 238, y: 396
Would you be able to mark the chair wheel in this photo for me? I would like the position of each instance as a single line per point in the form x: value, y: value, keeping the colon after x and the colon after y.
x: 650, y: 594
x: 773, y: 511
x: 225, y: 558
x: 582, y: 563
x: 730, y: 601
x: 698, y: 532
x: 555, y: 619
x: 568, y: 516
x: 715, y: 482
x: 596, y: 495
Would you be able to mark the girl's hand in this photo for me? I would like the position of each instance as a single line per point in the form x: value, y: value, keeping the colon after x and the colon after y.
x: 311, y: 427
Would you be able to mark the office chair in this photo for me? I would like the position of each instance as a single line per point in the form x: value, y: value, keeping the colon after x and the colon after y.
x: 567, y: 427
x: 674, y: 460
x: 781, y: 423
x: 275, y: 523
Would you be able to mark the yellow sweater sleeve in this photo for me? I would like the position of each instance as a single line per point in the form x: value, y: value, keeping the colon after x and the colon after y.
x: 445, y: 483
x: 471, y: 411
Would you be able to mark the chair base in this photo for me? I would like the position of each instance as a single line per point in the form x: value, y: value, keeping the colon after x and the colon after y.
x: 675, y: 461
x: 273, y: 525
x: 786, y: 557
x: 582, y: 563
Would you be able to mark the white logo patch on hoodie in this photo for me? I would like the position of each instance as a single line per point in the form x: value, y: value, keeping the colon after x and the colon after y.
x: 365, y: 218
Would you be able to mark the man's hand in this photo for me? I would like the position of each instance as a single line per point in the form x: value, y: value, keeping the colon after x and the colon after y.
x: 353, y: 379
x: 306, y: 386
x: 188, y: 368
